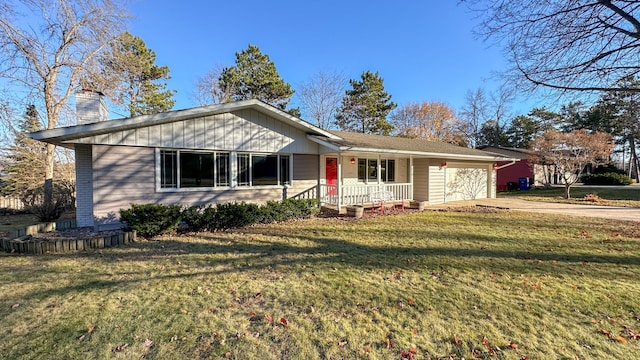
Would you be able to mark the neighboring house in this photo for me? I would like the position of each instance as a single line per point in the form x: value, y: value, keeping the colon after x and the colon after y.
x: 251, y: 151
x: 510, y: 171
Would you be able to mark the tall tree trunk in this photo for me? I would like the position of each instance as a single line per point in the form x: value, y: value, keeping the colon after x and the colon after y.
x: 567, y: 189
x: 634, y: 163
x: 48, y: 176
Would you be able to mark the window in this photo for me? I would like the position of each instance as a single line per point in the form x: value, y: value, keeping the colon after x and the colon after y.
x: 388, y: 170
x: 263, y: 170
x: 372, y: 170
x: 362, y: 170
x: 196, y: 169
x: 168, y: 169
x: 243, y: 170
x: 368, y: 170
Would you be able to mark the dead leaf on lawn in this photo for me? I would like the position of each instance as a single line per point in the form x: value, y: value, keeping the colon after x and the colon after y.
x: 456, y: 340
x: 621, y: 339
x: 15, y: 306
x: 147, y: 343
x: 284, y: 321
x: 120, y: 348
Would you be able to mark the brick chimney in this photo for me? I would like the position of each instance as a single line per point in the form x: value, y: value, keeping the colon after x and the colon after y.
x: 91, y: 107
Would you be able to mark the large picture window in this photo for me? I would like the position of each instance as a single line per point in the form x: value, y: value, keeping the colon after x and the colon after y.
x: 263, y: 170
x: 368, y: 170
x: 192, y: 169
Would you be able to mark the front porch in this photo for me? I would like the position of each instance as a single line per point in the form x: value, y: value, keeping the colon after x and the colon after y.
x: 364, y: 194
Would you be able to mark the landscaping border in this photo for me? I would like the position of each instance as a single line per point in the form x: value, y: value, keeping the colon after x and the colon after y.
x: 22, y: 241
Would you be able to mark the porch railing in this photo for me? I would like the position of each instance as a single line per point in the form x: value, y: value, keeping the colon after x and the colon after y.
x: 359, y: 194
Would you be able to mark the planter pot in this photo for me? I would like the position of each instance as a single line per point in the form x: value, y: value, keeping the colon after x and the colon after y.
x: 418, y: 205
x: 355, y: 211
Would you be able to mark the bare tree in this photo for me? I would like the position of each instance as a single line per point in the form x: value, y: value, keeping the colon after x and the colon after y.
x: 568, y: 45
x: 474, y: 113
x: 432, y: 121
x: 320, y: 96
x: 208, y: 89
x: 569, y: 153
x: 48, y: 45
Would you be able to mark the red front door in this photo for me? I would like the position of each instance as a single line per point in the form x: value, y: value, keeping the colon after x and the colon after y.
x: 331, y: 174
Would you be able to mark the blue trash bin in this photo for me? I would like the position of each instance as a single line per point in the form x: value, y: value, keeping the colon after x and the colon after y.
x: 523, y: 183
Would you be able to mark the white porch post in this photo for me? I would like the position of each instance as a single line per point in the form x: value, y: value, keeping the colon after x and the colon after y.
x: 491, y: 182
x: 379, y: 171
x: 411, y: 175
x: 339, y: 184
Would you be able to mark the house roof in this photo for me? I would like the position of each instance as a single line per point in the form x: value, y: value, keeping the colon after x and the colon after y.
x: 515, y: 153
x: 359, y: 142
x: 335, y: 140
x: 64, y: 134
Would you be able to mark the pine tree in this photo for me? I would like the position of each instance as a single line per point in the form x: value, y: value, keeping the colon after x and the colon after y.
x: 26, y: 158
x: 254, y: 76
x: 130, y: 77
x: 365, y: 107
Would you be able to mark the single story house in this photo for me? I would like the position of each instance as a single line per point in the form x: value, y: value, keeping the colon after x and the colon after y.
x: 250, y: 151
x: 510, y: 171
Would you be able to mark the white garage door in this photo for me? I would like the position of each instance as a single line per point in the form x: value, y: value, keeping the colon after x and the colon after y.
x: 466, y: 183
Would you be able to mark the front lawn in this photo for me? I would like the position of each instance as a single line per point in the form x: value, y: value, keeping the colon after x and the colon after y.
x: 608, y: 196
x: 505, y: 285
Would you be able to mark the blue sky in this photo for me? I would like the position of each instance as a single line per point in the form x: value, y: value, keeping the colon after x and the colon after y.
x: 424, y: 50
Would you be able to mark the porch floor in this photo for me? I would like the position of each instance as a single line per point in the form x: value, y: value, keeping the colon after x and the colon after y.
x: 369, y: 206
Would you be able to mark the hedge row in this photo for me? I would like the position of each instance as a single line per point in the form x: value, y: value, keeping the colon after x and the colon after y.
x: 154, y: 219
x: 606, y: 179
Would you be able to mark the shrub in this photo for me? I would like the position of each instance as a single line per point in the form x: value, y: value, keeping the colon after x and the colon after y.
x: 609, y: 168
x: 232, y: 215
x: 150, y: 220
x: 48, y: 211
x: 592, y: 198
x: 606, y: 179
x: 196, y: 217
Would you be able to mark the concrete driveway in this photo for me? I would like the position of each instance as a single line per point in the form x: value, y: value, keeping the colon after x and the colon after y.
x: 607, y: 212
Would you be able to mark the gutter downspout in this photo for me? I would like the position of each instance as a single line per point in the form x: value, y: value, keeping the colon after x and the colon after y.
x: 505, y: 165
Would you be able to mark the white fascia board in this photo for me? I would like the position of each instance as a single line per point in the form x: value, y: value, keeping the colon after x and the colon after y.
x: 325, y: 143
x: 71, y: 132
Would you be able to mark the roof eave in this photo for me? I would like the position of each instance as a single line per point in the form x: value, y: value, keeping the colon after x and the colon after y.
x: 59, y: 135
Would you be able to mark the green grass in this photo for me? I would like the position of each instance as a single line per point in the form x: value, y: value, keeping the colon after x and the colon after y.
x: 613, y: 196
x: 439, y: 282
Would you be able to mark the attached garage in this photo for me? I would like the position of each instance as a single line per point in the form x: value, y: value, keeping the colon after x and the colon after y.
x: 466, y: 182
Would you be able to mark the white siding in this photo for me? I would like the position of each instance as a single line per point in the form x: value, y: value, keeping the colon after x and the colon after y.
x: 436, y: 184
x: 84, y: 186
x: 245, y: 130
x: 466, y: 182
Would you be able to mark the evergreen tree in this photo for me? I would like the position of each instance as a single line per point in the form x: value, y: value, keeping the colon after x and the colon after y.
x: 26, y: 158
x: 130, y: 77
x: 522, y: 130
x: 491, y: 133
x: 254, y: 76
x: 365, y: 106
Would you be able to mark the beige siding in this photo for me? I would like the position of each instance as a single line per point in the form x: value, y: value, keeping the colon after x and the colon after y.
x: 306, y: 167
x: 436, y: 184
x: 123, y: 175
x: 245, y: 130
x: 421, y: 179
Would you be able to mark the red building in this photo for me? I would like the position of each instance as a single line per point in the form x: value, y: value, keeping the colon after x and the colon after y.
x: 512, y: 172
